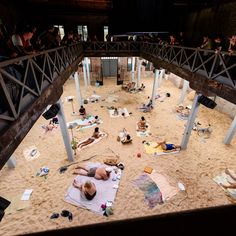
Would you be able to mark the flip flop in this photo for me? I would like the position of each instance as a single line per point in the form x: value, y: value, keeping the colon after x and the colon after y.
x: 65, y: 213
x: 54, y: 216
x: 70, y: 217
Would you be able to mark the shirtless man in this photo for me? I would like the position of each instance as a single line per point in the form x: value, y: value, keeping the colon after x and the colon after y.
x: 96, y: 172
x: 88, y: 189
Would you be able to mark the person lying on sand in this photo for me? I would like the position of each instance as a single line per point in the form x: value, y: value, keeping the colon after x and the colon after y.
x: 96, y: 172
x: 96, y: 120
x: 142, y: 125
x: 233, y: 176
x: 88, y: 189
x: 168, y: 147
x: 96, y: 135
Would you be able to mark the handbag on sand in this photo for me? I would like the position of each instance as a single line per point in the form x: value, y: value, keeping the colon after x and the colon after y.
x: 113, y: 161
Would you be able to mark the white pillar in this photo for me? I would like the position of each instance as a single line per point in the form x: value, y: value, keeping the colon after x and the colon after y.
x: 85, y: 77
x: 88, y: 73
x: 64, y: 132
x: 183, y: 92
x: 191, y: 119
x: 139, y: 73
x: 133, y: 64
x: 155, y: 84
x: 229, y: 136
x: 11, y: 163
x: 77, y: 87
x: 162, y: 73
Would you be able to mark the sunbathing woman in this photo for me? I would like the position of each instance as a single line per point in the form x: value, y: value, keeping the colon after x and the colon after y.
x: 88, y: 189
x: 96, y: 135
x: 233, y: 176
x: 168, y: 147
x: 142, y: 126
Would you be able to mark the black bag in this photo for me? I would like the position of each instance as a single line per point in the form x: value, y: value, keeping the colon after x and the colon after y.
x: 207, y: 102
x: 4, y: 203
x: 51, y: 112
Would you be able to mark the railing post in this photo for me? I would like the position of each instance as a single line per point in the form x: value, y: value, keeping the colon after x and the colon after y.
x: 229, y: 136
x: 64, y: 132
x: 191, y: 119
x: 77, y: 87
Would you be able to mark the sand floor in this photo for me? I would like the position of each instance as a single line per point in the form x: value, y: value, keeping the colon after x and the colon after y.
x: 194, y: 167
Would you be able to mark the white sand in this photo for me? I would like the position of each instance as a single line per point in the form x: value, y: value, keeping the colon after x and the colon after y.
x: 194, y: 167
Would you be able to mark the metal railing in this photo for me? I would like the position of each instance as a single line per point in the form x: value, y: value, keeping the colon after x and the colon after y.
x: 219, y: 66
x: 22, y: 80
x: 111, y: 47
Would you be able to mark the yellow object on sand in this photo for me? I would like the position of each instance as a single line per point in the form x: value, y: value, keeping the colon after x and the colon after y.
x: 148, y: 169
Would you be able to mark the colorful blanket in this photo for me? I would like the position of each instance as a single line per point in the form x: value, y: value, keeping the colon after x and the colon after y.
x: 151, y: 191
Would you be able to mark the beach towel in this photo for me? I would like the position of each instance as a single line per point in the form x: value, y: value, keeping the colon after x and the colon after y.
x: 143, y: 133
x: 226, y: 179
x: 106, y: 192
x: 95, y: 141
x: 152, y: 194
x: 151, y: 149
x: 16, y: 204
x: 31, y: 153
x: 84, y: 124
x: 167, y: 190
x: 120, y: 111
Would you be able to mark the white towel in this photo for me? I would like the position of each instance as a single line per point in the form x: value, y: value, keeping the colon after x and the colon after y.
x: 106, y: 192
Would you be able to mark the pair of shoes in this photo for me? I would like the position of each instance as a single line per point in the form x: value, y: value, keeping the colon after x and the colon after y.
x: 68, y: 214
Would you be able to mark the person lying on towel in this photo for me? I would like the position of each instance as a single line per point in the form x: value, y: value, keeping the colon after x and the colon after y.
x: 168, y: 147
x: 88, y: 189
x: 102, y: 173
x: 96, y: 135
